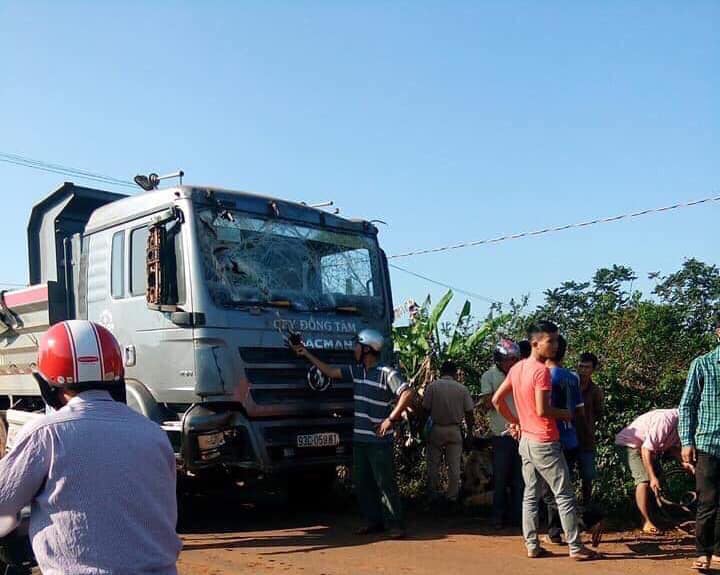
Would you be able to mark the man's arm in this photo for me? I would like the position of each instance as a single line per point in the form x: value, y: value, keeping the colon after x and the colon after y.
x: 578, y: 414
x: 542, y: 384
x: 544, y: 408
x: 406, y: 398
x: 581, y: 421
x: 470, y: 421
x: 688, y: 414
x: 328, y: 370
x: 598, y: 400
x: 486, y: 393
x: 498, y: 401
x: 648, y: 457
x: 23, y: 471
x: 427, y: 399
x: 469, y: 408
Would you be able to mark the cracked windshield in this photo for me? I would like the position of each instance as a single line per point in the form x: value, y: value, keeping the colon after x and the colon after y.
x: 252, y: 260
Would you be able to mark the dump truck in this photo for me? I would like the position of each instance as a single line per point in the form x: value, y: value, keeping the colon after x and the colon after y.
x: 201, y: 287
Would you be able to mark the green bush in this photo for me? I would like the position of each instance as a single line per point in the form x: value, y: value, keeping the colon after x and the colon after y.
x: 645, y: 345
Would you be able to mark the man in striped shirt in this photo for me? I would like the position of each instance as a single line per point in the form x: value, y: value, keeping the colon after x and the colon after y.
x: 375, y: 389
x: 699, y: 430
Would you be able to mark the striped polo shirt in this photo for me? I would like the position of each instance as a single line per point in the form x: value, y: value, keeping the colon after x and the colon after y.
x: 374, y: 391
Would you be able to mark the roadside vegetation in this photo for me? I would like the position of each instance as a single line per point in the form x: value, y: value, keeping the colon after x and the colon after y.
x: 645, y: 343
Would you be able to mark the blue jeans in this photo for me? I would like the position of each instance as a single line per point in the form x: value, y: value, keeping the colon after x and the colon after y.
x: 507, y: 477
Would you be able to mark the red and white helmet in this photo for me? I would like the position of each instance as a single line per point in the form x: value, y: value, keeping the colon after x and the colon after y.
x: 80, y: 352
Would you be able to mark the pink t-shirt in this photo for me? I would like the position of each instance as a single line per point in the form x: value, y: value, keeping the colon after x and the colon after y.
x: 656, y: 430
x: 526, y: 376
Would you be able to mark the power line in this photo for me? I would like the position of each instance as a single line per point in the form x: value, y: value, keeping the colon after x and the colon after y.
x: 64, y: 173
x: 448, y: 286
x: 555, y: 229
x: 75, y: 171
x: 41, y: 165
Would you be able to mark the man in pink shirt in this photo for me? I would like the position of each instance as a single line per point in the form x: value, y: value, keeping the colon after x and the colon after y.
x: 540, y: 450
x: 639, y: 445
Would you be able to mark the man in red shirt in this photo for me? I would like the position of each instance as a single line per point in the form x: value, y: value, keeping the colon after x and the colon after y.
x: 543, y: 462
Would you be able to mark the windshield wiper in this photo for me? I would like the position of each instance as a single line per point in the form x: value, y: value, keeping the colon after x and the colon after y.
x: 286, y: 303
x: 340, y: 308
x: 347, y: 309
x: 248, y: 303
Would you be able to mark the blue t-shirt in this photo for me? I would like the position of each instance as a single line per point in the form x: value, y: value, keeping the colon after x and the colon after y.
x: 566, y: 394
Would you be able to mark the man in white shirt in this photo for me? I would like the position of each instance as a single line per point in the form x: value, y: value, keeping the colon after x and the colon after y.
x: 507, y: 467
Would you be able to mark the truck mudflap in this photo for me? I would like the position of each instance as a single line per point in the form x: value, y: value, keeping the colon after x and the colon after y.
x: 213, y: 436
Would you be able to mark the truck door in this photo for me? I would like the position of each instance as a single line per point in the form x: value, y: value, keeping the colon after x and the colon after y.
x: 158, y: 353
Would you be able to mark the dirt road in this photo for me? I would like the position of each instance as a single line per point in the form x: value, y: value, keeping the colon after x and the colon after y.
x: 275, y: 540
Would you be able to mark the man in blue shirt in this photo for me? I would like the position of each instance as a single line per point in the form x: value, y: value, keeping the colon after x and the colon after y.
x: 565, y: 394
x: 375, y: 389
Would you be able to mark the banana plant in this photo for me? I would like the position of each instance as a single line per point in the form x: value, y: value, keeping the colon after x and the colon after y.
x: 424, y: 344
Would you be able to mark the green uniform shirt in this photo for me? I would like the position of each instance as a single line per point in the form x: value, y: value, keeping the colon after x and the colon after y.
x: 699, y: 422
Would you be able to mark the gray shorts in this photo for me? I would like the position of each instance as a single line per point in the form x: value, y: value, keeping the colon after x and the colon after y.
x: 632, y: 458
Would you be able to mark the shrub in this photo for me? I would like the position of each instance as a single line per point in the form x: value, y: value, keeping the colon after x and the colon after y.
x: 645, y: 345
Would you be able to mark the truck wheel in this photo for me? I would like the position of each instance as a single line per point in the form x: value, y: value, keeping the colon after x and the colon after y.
x: 139, y: 399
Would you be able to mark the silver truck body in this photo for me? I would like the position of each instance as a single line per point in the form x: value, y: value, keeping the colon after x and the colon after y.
x: 212, y: 368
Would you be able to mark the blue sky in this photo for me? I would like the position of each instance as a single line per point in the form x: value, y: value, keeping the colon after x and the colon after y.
x: 451, y: 121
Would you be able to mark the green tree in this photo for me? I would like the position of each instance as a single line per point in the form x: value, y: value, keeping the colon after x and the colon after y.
x: 645, y: 344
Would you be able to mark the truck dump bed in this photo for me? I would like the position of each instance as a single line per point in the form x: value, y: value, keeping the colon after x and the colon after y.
x: 54, y: 250
x: 24, y: 316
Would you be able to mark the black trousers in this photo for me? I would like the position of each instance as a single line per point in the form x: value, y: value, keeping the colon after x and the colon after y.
x: 707, y: 483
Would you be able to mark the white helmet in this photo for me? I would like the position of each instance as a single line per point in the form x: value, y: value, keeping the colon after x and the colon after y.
x: 372, y: 339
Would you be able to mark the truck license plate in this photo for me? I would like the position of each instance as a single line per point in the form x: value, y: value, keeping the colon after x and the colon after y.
x: 318, y: 440
x: 211, y: 440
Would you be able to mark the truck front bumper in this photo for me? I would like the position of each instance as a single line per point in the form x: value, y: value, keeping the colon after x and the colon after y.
x: 219, y: 435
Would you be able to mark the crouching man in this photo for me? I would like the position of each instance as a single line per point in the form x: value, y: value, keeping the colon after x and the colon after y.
x: 640, y: 445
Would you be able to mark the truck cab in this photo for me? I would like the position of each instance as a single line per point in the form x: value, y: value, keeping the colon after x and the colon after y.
x: 201, y: 287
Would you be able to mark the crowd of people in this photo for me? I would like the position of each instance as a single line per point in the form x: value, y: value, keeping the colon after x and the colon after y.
x: 541, y: 415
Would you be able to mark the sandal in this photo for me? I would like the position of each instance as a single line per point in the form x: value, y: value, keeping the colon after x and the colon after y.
x: 585, y: 554
x: 553, y: 540
x: 701, y: 564
x: 538, y: 552
x: 652, y: 530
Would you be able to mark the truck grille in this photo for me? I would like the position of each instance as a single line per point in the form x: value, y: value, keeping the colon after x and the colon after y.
x: 277, y: 375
